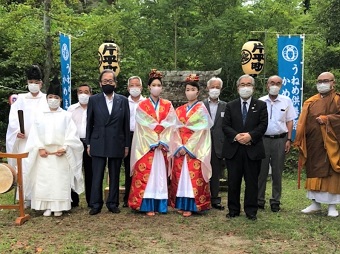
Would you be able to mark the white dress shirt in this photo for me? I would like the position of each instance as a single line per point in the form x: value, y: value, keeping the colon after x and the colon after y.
x: 133, y: 106
x: 280, y: 111
x: 247, y: 105
x: 109, y: 102
x: 79, y: 116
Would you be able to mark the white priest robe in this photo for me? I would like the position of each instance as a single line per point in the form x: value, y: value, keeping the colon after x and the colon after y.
x: 30, y: 106
x: 50, y: 179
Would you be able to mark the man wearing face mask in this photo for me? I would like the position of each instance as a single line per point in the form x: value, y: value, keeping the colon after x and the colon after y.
x: 107, y: 139
x: 216, y: 109
x: 135, y: 88
x: 78, y: 110
x: 317, y: 137
x: 277, y: 141
x: 244, y: 124
x: 30, y: 103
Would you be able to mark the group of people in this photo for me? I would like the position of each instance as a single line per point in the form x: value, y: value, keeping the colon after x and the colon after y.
x: 173, y: 157
x: 48, y: 133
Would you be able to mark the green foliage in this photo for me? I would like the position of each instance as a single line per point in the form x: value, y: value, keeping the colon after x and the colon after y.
x: 164, y: 34
x: 291, y: 162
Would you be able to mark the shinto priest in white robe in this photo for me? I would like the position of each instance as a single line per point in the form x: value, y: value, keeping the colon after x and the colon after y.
x: 50, y: 179
x: 30, y: 106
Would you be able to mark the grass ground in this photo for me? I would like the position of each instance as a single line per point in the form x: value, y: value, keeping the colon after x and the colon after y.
x: 287, y: 231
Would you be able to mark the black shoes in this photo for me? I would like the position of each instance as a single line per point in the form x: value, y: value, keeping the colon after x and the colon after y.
x: 232, y: 215
x: 260, y: 207
x: 218, y: 206
x: 73, y: 205
x: 251, y: 217
x: 275, y: 208
x: 114, y: 209
x: 94, y: 211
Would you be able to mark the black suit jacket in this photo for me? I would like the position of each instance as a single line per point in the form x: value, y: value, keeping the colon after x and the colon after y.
x: 108, y: 135
x: 216, y: 131
x: 256, y: 125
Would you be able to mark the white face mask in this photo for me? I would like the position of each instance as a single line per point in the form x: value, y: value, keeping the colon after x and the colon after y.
x: 274, y: 90
x: 214, y: 93
x: 83, y: 98
x: 191, y: 95
x: 33, y: 88
x: 245, y: 92
x: 53, y: 103
x: 135, y: 91
x: 323, y: 87
x: 156, y: 90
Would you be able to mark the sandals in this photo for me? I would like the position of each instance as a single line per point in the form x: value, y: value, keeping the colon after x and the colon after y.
x: 187, y: 214
x: 150, y: 213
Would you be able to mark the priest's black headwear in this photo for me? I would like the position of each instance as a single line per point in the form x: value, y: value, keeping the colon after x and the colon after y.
x: 34, y: 73
x: 55, y: 87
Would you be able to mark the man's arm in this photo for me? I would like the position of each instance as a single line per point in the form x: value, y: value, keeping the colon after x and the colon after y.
x: 261, y: 127
x: 228, y: 131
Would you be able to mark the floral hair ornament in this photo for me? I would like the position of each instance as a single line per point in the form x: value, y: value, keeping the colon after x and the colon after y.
x: 155, y: 74
x: 192, y: 77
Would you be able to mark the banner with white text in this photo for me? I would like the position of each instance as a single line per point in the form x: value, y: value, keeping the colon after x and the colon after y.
x: 65, y: 63
x: 290, y: 69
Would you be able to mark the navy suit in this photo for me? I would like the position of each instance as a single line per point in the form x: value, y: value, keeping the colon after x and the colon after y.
x: 244, y: 160
x: 108, y: 135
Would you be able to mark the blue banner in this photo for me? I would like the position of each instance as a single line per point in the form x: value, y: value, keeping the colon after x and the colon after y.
x: 65, y: 64
x: 290, y: 69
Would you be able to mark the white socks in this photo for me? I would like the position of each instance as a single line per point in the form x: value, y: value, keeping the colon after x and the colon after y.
x: 332, y: 212
x: 314, y: 207
x: 48, y: 213
x: 58, y: 214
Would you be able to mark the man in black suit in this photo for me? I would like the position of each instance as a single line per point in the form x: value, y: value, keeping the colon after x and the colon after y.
x: 108, y: 139
x: 245, y: 122
x: 216, y: 109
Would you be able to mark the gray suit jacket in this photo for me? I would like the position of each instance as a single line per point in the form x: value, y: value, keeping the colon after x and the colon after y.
x: 217, y: 135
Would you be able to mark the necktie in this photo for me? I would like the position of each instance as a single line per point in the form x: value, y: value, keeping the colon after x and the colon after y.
x: 244, y: 112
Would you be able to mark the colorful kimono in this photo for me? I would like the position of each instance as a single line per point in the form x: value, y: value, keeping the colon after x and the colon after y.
x: 189, y: 189
x: 154, y: 126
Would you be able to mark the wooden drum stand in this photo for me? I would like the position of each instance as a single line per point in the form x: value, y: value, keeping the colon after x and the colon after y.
x: 23, y: 217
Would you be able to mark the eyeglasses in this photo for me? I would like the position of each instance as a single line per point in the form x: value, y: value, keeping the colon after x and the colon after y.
x: 108, y: 81
x: 245, y: 84
x: 319, y: 81
x: 275, y: 83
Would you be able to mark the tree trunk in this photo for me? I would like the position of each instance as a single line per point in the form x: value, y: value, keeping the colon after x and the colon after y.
x: 48, y: 43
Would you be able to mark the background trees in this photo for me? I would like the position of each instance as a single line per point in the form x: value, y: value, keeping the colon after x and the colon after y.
x: 162, y: 34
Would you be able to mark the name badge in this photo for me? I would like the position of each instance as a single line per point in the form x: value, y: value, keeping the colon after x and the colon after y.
x: 222, y: 114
